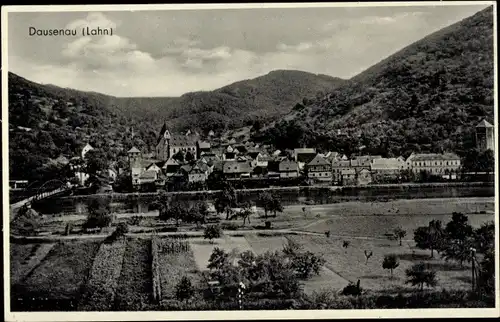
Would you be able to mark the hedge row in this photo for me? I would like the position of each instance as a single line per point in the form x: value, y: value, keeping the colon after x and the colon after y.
x: 433, y: 299
x: 442, y: 299
x: 155, y: 269
x: 99, y: 292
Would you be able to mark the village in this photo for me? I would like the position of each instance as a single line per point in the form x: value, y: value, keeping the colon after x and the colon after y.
x: 188, y: 162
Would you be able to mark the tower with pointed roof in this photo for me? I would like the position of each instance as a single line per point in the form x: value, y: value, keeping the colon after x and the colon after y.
x: 162, y: 143
x: 134, y: 159
x: 485, y: 136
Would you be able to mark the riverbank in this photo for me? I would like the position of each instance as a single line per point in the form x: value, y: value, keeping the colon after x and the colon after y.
x: 303, y: 196
x: 118, y: 195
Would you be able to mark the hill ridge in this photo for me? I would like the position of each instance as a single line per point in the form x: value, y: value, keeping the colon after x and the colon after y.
x: 427, y: 96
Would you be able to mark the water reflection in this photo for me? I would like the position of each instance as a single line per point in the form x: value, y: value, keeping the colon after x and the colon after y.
x: 138, y: 203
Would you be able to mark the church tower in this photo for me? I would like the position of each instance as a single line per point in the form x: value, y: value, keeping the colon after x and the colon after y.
x: 485, y: 136
x: 163, y: 142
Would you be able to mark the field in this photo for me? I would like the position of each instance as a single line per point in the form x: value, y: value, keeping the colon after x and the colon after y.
x: 351, y: 264
x: 377, y: 226
x: 99, y: 292
x: 135, y: 287
x: 24, y: 258
x: 173, y: 266
x: 65, y: 273
x: 57, y: 281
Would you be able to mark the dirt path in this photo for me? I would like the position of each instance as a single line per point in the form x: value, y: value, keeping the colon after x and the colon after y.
x: 319, y: 221
x: 30, y: 263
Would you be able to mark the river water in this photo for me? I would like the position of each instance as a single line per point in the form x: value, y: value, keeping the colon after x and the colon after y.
x: 137, y: 203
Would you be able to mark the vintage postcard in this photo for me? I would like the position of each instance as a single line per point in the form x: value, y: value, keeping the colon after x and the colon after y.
x: 250, y: 161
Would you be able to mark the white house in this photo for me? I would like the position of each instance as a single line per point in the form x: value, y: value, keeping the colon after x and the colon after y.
x: 86, y: 149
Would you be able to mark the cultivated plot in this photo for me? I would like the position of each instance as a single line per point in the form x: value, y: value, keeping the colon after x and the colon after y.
x: 351, y: 263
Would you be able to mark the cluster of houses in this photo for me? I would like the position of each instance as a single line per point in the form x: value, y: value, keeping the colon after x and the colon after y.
x: 189, y: 158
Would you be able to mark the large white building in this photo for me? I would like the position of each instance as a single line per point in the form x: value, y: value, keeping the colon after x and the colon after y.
x: 434, y: 163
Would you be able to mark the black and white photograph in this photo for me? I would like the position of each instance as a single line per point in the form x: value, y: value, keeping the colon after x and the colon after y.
x: 250, y: 161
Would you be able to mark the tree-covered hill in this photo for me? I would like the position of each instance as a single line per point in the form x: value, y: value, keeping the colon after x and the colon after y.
x: 48, y: 121
x: 427, y: 97
x: 264, y: 98
x: 47, y: 124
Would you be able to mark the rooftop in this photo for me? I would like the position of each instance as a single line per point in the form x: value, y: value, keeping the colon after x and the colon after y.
x: 148, y: 175
x: 434, y: 156
x: 237, y: 167
x: 318, y: 160
x: 484, y: 123
x: 288, y: 165
x: 134, y: 150
x: 304, y: 150
x: 387, y: 163
x: 204, y: 145
x: 182, y: 140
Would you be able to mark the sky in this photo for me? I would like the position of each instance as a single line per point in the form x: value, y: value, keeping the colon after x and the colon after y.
x: 171, y: 52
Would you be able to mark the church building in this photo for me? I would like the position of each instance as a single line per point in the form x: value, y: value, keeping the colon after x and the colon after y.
x: 169, y: 144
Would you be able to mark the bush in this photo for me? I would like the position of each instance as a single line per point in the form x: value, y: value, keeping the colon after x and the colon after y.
x: 184, y: 289
x: 99, y: 214
x: 135, y: 220
x: 212, y: 231
x: 352, y: 289
x: 120, y: 231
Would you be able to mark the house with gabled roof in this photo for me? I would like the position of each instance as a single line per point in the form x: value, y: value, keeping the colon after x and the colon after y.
x: 319, y: 169
x: 155, y: 166
x: 387, y: 168
x: 288, y: 169
x: 86, y: 149
x: 236, y: 170
x: 303, y: 156
x: 348, y: 177
x: 263, y: 160
x: 197, y: 172
x: 338, y: 165
x: 148, y: 177
x: 170, y: 167
x: 364, y: 177
x: 364, y: 161
x: 229, y: 154
x: 203, y: 147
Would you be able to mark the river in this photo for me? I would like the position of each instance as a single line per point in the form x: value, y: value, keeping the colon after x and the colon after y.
x: 137, y: 203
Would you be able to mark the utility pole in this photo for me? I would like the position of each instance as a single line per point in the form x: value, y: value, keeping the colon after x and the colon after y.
x: 473, y: 257
x: 241, y: 288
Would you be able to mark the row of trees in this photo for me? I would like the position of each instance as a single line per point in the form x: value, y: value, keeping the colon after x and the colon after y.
x: 460, y: 242
x: 455, y: 240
